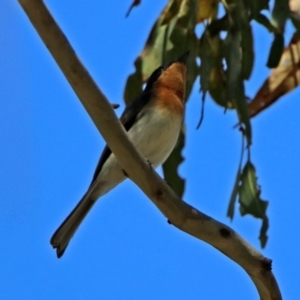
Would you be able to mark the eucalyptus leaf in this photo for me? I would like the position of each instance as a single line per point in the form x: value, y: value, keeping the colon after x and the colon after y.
x: 247, y: 52
x: 250, y: 200
x: 235, y: 84
x: 255, y: 6
x: 280, y: 14
x: 276, y: 50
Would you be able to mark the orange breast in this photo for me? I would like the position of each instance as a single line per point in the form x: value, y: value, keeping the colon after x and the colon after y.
x: 169, y: 89
x: 167, y: 99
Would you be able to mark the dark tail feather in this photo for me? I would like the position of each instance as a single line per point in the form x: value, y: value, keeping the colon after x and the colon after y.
x: 66, y: 230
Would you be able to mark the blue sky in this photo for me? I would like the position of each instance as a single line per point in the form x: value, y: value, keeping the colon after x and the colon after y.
x: 125, y: 249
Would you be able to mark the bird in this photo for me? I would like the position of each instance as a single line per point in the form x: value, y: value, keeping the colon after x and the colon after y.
x: 153, y: 121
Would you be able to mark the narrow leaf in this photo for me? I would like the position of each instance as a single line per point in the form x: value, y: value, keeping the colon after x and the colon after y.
x: 207, y: 10
x: 235, y: 84
x: 212, y: 74
x: 234, y: 194
x: 152, y: 55
x: 280, y: 14
x: 263, y: 20
x: 247, y: 52
x: 276, y: 50
x: 255, y: 6
x: 235, y: 191
x: 250, y: 201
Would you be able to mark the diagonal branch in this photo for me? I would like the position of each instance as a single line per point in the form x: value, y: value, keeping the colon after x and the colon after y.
x: 180, y: 214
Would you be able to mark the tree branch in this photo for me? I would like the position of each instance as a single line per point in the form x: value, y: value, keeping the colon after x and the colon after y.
x: 180, y: 214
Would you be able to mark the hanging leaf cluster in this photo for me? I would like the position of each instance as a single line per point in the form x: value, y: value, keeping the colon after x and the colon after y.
x: 220, y: 39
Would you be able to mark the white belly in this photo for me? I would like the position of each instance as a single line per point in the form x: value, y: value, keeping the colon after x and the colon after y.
x: 154, y: 134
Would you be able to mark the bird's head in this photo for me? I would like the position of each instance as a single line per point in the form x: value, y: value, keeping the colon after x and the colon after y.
x: 172, y: 77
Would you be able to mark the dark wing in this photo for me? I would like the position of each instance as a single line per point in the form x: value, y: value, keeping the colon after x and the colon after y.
x: 128, y: 117
x: 131, y: 113
x: 104, y: 156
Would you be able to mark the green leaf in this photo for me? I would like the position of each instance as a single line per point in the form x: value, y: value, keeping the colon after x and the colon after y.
x: 152, y: 55
x: 183, y: 38
x: 218, y: 25
x: 255, y: 6
x: 280, y: 14
x: 186, y: 40
x: 205, y: 68
x: 250, y: 201
x: 276, y: 50
x: 171, y: 35
x: 235, y: 84
x: 235, y: 191
x: 212, y: 74
x: 263, y: 20
x: 134, y: 85
x: 247, y: 52
x: 238, y: 13
x: 170, y: 167
x: 234, y: 194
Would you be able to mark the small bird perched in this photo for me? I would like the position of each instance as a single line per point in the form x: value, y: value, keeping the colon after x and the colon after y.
x: 152, y: 121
